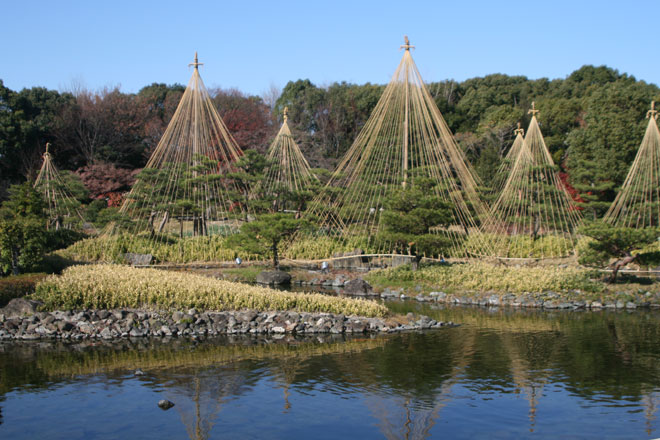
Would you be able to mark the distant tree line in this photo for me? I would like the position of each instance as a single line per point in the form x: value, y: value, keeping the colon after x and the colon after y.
x: 593, y: 122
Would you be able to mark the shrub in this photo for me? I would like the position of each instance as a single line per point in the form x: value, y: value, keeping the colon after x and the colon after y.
x: 486, y: 277
x: 113, y: 286
x: 18, y: 286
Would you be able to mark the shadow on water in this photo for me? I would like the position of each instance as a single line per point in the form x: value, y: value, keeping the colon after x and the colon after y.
x: 503, y: 372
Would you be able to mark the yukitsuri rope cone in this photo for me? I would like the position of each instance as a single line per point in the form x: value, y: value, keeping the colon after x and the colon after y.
x: 405, y: 138
x: 504, y: 170
x: 289, y: 170
x: 637, y: 205
x: 534, y: 215
x: 62, y: 209
x: 183, y: 196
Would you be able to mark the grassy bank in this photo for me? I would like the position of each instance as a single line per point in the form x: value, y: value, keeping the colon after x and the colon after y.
x: 113, y: 286
x: 110, y: 249
x: 484, y: 277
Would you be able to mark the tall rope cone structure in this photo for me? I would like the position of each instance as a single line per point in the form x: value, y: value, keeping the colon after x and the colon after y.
x: 405, y: 136
x: 637, y: 205
x: 534, y: 215
x: 289, y: 170
x: 62, y: 209
x: 183, y: 190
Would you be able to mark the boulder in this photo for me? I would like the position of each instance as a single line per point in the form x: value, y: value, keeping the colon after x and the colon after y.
x: 138, y: 259
x: 358, y: 287
x: 273, y: 277
x: 20, y: 307
x: 165, y: 404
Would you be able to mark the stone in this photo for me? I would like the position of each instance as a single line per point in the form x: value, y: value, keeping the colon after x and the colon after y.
x: 65, y: 326
x: 273, y: 277
x: 18, y: 307
x: 106, y: 333
x: 339, y: 281
x: 138, y: 259
x: 136, y: 333
x: 358, y: 286
x: 165, y: 404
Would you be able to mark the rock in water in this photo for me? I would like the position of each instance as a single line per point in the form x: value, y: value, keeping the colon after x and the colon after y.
x: 358, y: 287
x: 19, y: 307
x: 139, y: 372
x: 273, y: 277
x: 165, y: 404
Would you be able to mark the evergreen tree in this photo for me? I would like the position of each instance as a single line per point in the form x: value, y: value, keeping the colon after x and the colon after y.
x: 622, y: 245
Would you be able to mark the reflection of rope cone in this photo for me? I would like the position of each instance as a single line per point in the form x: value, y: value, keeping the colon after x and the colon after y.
x: 650, y: 402
x: 417, y: 420
x: 199, y: 402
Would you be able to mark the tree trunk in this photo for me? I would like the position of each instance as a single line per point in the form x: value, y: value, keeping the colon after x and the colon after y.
x: 276, y: 259
x: 166, y: 217
x: 619, y: 264
x: 414, y: 264
x: 14, y: 261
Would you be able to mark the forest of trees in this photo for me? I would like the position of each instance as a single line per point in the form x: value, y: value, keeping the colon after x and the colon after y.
x: 593, y: 122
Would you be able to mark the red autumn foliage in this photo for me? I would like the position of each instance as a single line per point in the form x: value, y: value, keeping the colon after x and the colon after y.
x: 103, y: 178
x: 575, y: 195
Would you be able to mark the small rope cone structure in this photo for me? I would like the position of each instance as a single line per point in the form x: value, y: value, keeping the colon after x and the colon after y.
x: 504, y: 170
x: 63, y: 210
x: 289, y: 170
x: 183, y: 191
x: 405, y: 137
x: 534, y: 215
x: 637, y: 205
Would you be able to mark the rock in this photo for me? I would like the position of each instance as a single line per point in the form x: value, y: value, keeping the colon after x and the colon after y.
x: 177, y: 316
x: 136, y: 333
x: 18, y: 307
x: 631, y: 305
x: 494, y: 300
x: 138, y: 259
x: 273, y: 277
x: 106, y: 333
x: 139, y: 372
x: 339, y: 281
x: 358, y: 287
x: 65, y: 326
x: 165, y: 404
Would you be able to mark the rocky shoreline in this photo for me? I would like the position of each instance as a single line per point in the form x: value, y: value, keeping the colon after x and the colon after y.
x: 21, y: 320
x: 545, y: 300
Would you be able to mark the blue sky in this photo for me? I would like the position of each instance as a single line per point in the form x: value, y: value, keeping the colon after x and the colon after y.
x: 251, y: 45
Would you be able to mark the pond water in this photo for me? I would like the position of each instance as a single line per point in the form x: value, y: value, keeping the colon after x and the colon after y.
x: 502, y: 374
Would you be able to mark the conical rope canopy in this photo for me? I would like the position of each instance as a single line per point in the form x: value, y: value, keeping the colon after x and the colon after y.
x: 637, y: 205
x: 184, y: 191
x: 534, y: 215
x: 504, y: 170
x: 405, y: 138
x: 62, y: 209
x: 289, y: 169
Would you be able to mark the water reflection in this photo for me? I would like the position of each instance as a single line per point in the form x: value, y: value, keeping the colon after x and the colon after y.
x: 509, y: 373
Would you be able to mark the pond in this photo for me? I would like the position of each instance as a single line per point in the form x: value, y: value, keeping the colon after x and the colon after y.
x: 502, y: 374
